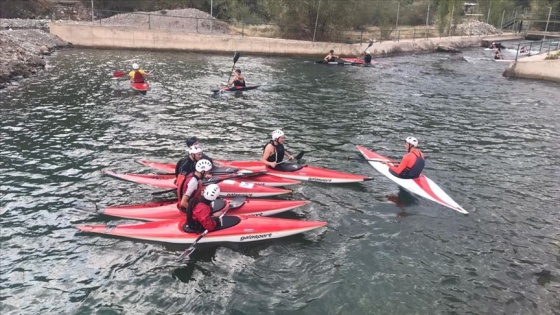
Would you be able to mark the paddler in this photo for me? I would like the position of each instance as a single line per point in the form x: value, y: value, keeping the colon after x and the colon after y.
x: 195, y: 141
x: 367, y: 57
x: 412, y: 163
x: 498, y: 54
x: 189, y: 187
x: 274, y: 151
x: 138, y: 75
x: 331, y: 57
x: 187, y: 164
x: 200, y: 218
x: 238, y: 79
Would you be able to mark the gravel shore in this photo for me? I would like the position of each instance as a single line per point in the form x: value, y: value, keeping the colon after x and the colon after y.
x: 23, y: 47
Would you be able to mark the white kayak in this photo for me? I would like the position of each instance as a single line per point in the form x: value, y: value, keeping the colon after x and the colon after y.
x: 421, y: 186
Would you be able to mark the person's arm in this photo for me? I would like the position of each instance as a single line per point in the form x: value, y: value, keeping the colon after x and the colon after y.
x: 268, y: 151
x: 189, y: 191
x: 404, y: 162
x: 287, y: 155
x: 178, y: 167
x: 203, y: 214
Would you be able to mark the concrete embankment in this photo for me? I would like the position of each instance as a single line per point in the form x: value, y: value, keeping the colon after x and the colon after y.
x: 94, y: 36
x: 535, y: 67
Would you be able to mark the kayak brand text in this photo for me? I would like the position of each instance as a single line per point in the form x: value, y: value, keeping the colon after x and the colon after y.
x: 255, y: 237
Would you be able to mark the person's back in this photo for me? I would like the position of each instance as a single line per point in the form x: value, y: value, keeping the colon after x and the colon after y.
x: 200, y: 218
x: 412, y: 163
x: 367, y: 57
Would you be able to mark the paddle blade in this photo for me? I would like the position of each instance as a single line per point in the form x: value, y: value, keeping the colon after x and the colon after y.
x: 237, y: 202
x: 236, y: 56
x: 370, y: 43
x: 299, y: 156
x: 119, y: 74
x: 186, y: 253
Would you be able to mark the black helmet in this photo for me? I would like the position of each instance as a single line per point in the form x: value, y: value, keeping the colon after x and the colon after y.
x: 237, y: 70
x: 191, y: 141
x: 332, y: 51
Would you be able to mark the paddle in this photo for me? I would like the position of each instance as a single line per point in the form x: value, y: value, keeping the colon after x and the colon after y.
x: 384, y: 161
x: 297, y: 157
x: 370, y: 44
x: 235, y: 203
x: 236, y: 56
x: 119, y: 74
x: 217, y: 180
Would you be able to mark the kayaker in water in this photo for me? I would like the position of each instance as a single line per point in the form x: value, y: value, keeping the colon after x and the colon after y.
x: 189, y: 187
x: 238, y: 79
x: 200, y: 217
x: 194, y: 141
x: 367, y: 57
x: 138, y: 75
x: 412, y: 163
x: 274, y: 151
x: 498, y: 55
x: 187, y: 164
x: 331, y: 57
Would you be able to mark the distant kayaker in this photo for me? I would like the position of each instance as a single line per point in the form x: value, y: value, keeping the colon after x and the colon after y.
x: 187, y: 164
x: 194, y: 141
x: 274, y: 151
x: 200, y: 218
x: 498, y: 55
x: 238, y: 79
x: 189, y: 187
x: 367, y: 57
x: 331, y: 57
x: 412, y: 163
x: 138, y: 75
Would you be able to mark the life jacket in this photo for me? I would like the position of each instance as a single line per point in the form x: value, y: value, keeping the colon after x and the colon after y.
x: 239, y: 83
x: 185, y: 166
x: 279, y: 156
x: 367, y: 58
x: 191, y: 222
x: 416, y: 169
x: 138, y: 77
x: 182, y: 183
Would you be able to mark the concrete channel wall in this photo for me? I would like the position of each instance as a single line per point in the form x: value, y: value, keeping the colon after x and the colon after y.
x: 535, y: 67
x: 95, y: 36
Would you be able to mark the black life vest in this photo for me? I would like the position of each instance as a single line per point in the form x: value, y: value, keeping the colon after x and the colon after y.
x: 416, y: 169
x: 280, y: 151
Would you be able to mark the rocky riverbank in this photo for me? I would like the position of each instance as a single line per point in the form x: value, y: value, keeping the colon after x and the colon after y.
x: 23, y: 47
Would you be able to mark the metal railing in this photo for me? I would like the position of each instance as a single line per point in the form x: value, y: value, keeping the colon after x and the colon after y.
x: 541, y: 47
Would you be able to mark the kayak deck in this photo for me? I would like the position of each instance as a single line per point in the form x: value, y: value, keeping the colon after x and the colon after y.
x: 421, y: 186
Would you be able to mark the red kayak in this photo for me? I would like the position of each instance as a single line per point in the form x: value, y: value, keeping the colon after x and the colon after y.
x: 166, y: 210
x: 306, y: 173
x: 228, y: 187
x: 140, y: 87
x: 236, y: 229
x: 265, y: 179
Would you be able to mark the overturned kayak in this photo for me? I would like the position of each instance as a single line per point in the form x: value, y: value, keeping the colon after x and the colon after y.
x: 140, y: 87
x: 167, y: 210
x: 301, y: 172
x: 228, y: 187
x: 305, y: 173
x: 421, y: 186
x: 335, y: 63
x: 236, y: 229
x: 223, y: 172
x: 226, y: 89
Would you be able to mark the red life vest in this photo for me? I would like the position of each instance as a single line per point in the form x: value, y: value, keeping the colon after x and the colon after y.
x: 138, y: 77
x: 182, y: 183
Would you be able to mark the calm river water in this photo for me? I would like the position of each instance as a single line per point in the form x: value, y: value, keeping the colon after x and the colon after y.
x: 492, y: 144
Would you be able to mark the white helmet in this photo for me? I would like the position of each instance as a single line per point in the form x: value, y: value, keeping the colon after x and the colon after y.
x: 203, y: 166
x: 367, y: 52
x: 211, y: 192
x: 277, y: 134
x: 195, y: 149
x: 135, y: 66
x: 412, y: 141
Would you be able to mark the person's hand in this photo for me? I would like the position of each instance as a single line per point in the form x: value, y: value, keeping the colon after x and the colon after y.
x: 273, y: 164
x: 207, y: 175
x: 290, y: 157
